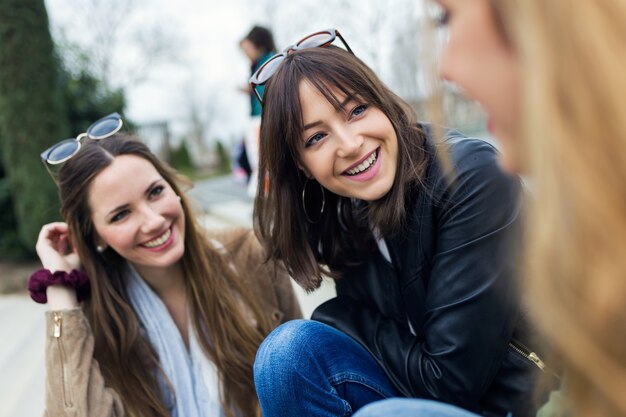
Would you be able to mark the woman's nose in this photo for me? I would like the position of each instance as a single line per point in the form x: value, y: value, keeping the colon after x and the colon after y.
x: 152, y: 220
x: 445, y: 65
x: 349, y: 143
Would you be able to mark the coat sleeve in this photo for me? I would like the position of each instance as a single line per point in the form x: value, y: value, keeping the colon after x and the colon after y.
x: 74, y: 383
x: 287, y: 301
x: 469, y: 309
x: 269, y: 279
x: 275, y: 273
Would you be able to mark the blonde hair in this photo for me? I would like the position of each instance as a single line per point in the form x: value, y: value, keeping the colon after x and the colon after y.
x: 574, y: 64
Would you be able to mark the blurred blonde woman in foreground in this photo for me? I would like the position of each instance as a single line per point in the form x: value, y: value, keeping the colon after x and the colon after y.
x: 551, y: 75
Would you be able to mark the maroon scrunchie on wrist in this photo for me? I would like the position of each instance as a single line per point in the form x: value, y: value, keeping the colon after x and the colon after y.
x: 43, y: 278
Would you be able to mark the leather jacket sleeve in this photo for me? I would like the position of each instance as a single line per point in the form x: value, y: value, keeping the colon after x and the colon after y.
x: 461, y: 302
x: 74, y: 383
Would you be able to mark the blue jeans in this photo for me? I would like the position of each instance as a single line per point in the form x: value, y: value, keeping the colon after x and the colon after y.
x: 305, y: 368
x: 410, y: 407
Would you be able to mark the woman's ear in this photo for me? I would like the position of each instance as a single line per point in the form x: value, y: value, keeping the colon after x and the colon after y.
x: 303, y: 169
x: 101, y: 245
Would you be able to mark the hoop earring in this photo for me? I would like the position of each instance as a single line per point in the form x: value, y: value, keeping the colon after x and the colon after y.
x: 304, y: 202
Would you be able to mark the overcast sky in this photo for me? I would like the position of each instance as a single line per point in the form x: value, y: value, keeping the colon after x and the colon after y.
x: 209, y: 67
x: 209, y: 61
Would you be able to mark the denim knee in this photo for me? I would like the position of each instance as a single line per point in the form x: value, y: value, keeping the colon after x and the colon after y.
x: 288, y: 341
x: 306, y: 367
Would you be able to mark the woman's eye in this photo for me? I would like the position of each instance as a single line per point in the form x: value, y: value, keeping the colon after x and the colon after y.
x: 314, y: 139
x: 156, y: 191
x: 119, y: 216
x: 440, y: 15
x: 443, y: 18
x: 358, y: 110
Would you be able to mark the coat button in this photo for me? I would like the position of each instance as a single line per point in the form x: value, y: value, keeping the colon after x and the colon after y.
x: 276, y: 315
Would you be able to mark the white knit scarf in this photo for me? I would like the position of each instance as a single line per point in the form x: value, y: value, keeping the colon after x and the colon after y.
x: 185, y: 370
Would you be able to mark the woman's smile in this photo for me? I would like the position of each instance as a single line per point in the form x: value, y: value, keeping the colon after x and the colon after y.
x: 161, y: 242
x: 365, y: 169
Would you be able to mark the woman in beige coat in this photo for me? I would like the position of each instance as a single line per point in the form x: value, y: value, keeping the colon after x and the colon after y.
x: 173, y: 318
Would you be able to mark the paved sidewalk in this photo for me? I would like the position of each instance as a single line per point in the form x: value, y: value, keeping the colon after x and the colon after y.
x: 22, y: 365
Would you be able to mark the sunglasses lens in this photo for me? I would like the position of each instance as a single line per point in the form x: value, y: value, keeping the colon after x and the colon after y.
x: 316, y: 40
x: 61, y: 151
x: 269, y: 69
x: 104, y: 128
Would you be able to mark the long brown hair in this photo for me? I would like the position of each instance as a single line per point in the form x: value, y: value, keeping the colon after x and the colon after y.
x: 575, y: 149
x: 343, y: 232
x: 128, y: 362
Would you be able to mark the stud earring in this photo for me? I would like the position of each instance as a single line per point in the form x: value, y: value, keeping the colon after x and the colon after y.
x: 100, y: 248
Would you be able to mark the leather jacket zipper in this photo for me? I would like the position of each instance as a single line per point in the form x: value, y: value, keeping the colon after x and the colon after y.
x: 528, y: 354
x: 67, y: 391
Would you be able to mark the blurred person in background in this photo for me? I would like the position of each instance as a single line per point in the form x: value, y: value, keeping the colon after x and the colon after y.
x: 148, y: 314
x: 240, y: 163
x: 550, y: 74
x: 258, y: 46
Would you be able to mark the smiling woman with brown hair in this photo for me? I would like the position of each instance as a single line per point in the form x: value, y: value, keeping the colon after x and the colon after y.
x: 173, y: 317
x: 426, y: 305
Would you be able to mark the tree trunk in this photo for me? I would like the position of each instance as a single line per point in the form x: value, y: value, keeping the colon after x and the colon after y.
x: 32, y: 115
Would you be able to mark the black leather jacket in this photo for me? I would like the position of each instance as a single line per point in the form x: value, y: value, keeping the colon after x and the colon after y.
x: 440, y: 317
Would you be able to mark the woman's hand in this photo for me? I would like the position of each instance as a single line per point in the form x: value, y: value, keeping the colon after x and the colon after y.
x: 54, y: 248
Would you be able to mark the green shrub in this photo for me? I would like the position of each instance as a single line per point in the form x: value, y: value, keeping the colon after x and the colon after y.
x: 10, y: 245
x: 180, y: 158
x: 223, y: 158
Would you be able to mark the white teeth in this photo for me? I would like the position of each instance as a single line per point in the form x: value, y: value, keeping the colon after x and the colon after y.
x: 363, y: 165
x: 159, y: 240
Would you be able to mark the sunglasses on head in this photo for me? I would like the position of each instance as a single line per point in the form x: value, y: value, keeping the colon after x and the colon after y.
x: 318, y: 39
x: 67, y: 148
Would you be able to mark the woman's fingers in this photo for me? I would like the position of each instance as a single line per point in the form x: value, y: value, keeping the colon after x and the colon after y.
x: 54, y: 246
x: 51, y: 231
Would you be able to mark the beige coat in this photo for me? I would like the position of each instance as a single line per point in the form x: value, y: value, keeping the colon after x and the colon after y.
x: 74, y: 384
